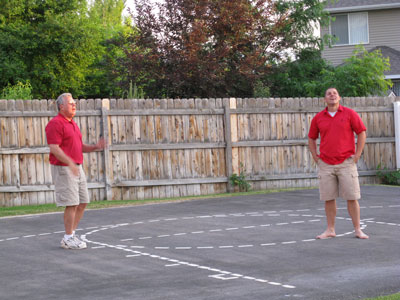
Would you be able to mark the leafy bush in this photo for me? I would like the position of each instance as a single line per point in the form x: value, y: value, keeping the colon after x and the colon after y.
x: 20, y: 91
x: 388, y: 177
x: 240, y: 180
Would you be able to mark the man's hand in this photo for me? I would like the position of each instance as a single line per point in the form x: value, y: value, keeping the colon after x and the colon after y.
x: 74, y: 169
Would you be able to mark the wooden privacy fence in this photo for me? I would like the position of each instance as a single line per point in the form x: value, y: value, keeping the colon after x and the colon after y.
x: 180, y: 147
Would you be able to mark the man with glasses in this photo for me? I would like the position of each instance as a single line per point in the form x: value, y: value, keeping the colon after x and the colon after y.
x: 66, y: 157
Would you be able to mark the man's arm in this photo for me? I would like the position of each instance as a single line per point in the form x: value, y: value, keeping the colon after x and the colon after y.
x: 312, y: 145
x: 362, y: 136
x: 89, y: 148
x: 61, y: 156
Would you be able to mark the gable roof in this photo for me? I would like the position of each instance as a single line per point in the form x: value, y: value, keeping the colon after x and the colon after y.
x: 394, y: 59
x: 360, y: 5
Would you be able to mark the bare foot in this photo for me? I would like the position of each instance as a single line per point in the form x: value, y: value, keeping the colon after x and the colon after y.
x: 327, y: 234
x: 360, y: 234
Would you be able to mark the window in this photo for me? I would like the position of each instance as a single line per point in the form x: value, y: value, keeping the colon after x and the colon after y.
x: 350, y: 29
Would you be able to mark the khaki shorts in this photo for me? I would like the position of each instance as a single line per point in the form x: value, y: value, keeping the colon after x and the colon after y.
x: 70, y: 190
x: 338, y: 180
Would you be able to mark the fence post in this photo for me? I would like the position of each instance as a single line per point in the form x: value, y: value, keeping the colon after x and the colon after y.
x: 231, y: 154
x: 396, y: 106
x: 105, y: 107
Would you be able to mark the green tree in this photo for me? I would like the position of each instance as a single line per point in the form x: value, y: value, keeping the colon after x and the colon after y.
x: 361, y: 75
x: 290, y: 78
x: 215, y: 48
x: 51, y: 43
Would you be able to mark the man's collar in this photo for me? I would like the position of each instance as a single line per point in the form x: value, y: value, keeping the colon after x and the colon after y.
x: 340, y: 108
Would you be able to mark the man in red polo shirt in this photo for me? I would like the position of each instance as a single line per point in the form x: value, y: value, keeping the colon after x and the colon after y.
x: 66, y: 157
x: 337, y: 169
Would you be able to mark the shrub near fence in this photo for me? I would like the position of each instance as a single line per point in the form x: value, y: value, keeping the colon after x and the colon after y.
x: 180, y: 147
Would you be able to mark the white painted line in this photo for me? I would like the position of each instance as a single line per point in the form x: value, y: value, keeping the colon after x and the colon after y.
x: 303, y: 210
x: 137, y: 223
x: 269, y: 244
x: 88, y: 228
x: 306, y: 215
x: 152, y: 221
x: 206, y: 247
x: 265, y: 225
x: 122, y: 246
x: 269, y: 211
x: 274, y: 283
x: 183, y: 248
x: 291, y: 242
x: 309, y: 240
x: 145, y: 238
x: 316, y: 220
x: 223, y: 247
x: 273, y: 215
x: 393, y: 224
x: 1, y: 240
x: 248, y: 277
x: 376, y: 206
x: 194, y: 232
x: 126, y: 240
x: 279, y: 224
x: 61, y: 231
x: 31, y: 235
x: 293, y: 215
x: 245, y: 246
x: 252, y: 213
x: 161, y: 248
x: 182, y: 233
x: 288, y: 286
x: 261, y: 280
x: 285, y: 211
x: 256, y: 215
x: 233, y: 228
x: 133, y: 255
x: 172, y: 265
x: 394, y: 205
x: 220, y: 216
x: 187, y: 218
x: 163, y: 235
x: 122, y: 224
x: 203, y: 217
x: 298, y: 222
x: 247, y: 227
x: 171, y: 219
x: 215, y: 230
x: 12, y: 238
x: 98, y: 247
x: 138, y: 247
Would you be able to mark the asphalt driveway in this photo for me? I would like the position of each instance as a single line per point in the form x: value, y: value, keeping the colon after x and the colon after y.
x: 251, y: 247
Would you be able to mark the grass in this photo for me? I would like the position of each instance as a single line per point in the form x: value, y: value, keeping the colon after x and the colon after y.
x: 49, y: 208
x: 390, y: 297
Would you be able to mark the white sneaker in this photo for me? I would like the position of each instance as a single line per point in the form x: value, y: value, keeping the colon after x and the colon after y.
x: 81, y: 244
x: 70, y: 243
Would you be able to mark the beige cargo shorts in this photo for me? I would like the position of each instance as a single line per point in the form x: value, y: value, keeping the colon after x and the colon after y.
x: 70, y: 190
x: 338, y: 180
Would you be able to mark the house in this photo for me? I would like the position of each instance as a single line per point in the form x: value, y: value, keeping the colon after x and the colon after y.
x: 373, y: 23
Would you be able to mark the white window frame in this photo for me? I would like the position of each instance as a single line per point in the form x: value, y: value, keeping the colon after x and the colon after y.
x: 348, y: 29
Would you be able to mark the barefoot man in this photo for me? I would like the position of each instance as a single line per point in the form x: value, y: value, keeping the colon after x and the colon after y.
x: 337, y: 169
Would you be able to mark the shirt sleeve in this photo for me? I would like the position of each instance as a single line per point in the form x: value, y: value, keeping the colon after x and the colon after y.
x: 314, y: 131
x: 54, y: 133
x: 356, y: 123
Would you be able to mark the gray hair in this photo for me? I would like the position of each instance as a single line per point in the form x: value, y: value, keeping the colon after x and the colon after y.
x: 61, y: 98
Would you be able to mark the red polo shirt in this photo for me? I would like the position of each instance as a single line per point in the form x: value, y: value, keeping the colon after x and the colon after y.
x: 337, y: 134
x: 67, y: 135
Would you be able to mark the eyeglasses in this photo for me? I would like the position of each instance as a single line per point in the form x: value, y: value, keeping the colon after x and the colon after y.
x: 72, y: 103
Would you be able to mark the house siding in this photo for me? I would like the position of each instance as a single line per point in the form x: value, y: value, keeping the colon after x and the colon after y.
x: 384, y: 30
